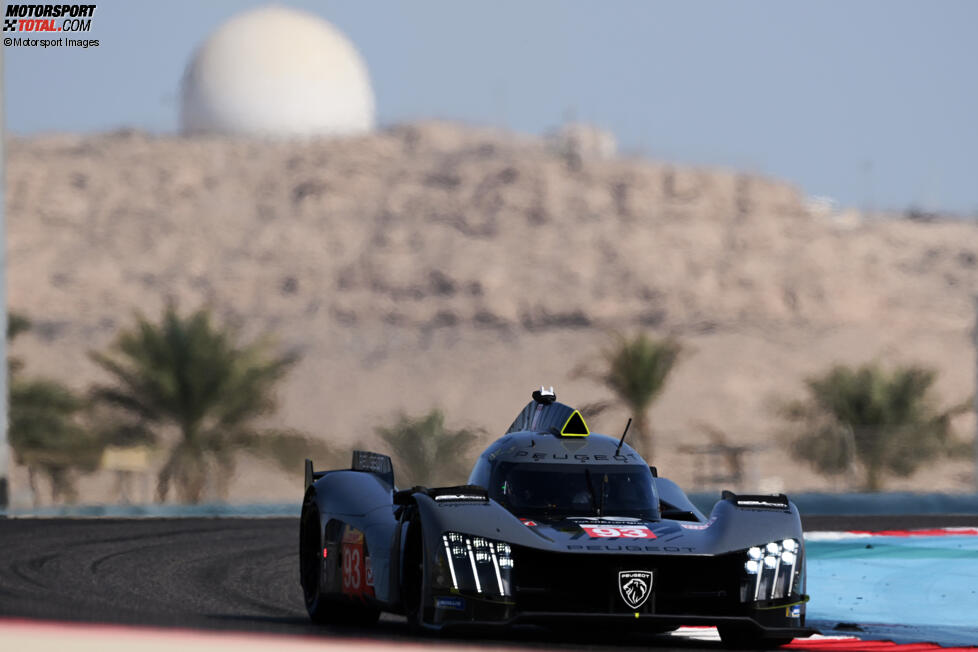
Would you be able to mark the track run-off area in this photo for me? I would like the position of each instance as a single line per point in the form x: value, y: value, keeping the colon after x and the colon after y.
x: 223, y: 583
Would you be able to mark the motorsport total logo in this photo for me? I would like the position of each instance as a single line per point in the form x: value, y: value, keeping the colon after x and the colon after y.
x: 45, y: 20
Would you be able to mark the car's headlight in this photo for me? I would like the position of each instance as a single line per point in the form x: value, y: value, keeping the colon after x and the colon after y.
x: 771, y: 570
x: 476, y: 564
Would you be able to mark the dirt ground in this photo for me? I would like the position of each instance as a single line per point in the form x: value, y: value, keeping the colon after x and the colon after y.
x: 437, y: 265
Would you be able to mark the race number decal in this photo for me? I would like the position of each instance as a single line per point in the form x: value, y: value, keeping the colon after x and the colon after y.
x: 357, y: 574
x: 624, y: 532
x: 352, y: 569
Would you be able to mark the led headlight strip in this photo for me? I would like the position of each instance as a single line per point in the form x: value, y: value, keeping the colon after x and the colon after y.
x: 449, y: 555
x: 473, y: 559
x: 766, y: 562
x: 495, y: 565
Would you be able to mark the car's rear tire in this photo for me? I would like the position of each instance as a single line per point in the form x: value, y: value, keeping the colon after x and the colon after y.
x: 323, y: 609
x: 740, y: 638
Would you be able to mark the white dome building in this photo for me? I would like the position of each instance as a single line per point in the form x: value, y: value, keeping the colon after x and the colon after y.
x: 276, y: 72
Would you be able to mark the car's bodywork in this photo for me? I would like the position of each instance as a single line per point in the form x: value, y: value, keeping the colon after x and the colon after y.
x: 555, y: 525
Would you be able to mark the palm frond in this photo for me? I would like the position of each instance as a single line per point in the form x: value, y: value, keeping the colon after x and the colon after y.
x: 883, y: 419
x: 427, y: 452
x: 635, y: 368
x: 189, y: 373
x: 44, y: 427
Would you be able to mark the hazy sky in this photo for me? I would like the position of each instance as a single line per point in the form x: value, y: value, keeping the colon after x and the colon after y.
x: 874, y: 103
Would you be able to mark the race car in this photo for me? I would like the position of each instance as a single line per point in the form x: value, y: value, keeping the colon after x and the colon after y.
x: 557, y: 525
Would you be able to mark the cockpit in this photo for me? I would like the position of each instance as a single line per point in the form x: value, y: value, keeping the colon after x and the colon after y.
x: 535, y: 489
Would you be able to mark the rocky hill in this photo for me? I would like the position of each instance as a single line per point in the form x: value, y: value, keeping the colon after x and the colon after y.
x: 440, y: 265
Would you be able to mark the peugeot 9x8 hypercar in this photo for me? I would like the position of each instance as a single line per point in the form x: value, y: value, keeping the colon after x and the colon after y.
x: 557, y: 525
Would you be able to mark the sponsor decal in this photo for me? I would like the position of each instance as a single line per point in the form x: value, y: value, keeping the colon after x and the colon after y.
x: 607, y: 520
x: 354, y: 564
x: 794, y: 611
x: 627, y: 532
x: 453, y: 603
x: 698, y: 526
x: 370, y: 570
x: 352, y: 535
x: 635, y: 586
x: 580, y: 457
x: 761, y: 505
x: 475, y: 497
x: 528, y: 523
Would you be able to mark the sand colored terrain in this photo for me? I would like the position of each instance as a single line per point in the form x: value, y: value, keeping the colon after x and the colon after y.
x: 437, y: 265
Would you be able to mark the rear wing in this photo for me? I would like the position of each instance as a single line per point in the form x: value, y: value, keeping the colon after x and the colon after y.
x: 364, y: 461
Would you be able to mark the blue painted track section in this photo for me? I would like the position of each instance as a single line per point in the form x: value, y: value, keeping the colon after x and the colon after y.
x: 921, y: 588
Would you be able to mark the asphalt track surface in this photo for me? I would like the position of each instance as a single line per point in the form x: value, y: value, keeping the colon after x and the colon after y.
x: 235, y: 574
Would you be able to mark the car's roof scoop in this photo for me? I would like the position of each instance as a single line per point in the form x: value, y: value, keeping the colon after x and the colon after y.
x: 545, y: 414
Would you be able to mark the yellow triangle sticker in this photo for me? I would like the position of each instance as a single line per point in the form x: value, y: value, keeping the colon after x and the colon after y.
x: 575, y: 426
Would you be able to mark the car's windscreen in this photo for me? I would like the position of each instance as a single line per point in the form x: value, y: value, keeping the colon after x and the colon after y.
x: 530, y: 489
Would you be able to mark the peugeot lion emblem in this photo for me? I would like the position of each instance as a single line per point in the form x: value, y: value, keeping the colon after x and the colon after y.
x: 635, y: 587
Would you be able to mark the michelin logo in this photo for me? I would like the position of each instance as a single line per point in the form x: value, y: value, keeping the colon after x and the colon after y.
x: 452, y: 603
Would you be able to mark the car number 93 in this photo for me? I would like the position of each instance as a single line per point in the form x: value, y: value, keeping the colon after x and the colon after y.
x: 629, y: 532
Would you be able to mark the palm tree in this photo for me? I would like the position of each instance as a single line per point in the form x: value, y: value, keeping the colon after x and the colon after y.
x: 187, y: 375
x: 47, y: 438
x: 871, y: 420
x: 426, y: 451
x: 635, y: 369
x: 46, y: 432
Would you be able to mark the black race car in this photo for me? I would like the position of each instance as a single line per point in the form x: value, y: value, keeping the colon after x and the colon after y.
x: 557, y: 525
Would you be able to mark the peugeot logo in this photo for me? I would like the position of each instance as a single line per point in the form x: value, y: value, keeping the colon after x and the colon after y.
x: 635, y: 587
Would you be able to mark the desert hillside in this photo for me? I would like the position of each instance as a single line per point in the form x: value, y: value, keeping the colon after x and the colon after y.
x: 440, y: 265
